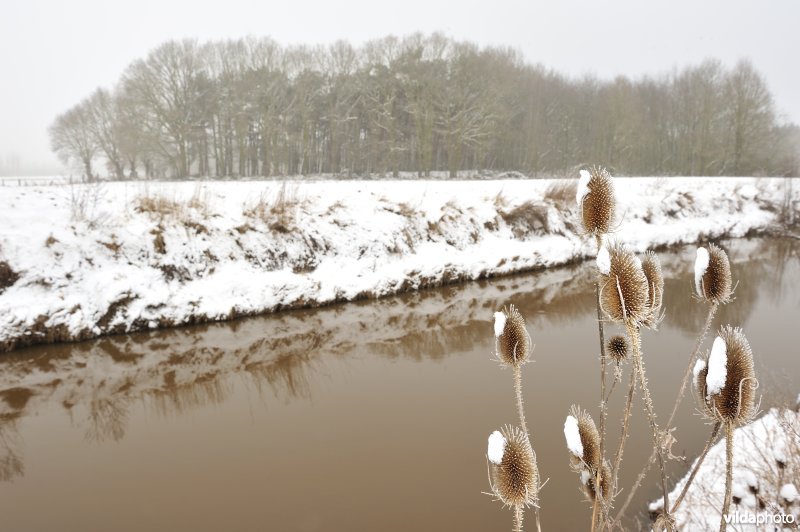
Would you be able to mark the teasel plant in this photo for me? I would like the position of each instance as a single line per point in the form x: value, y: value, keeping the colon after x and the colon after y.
x: 725, y: 384
x: 513, y: 474
x: 714, y: 286
x: 631, y: 298
x: 597, y: 204
x: 583, y: 444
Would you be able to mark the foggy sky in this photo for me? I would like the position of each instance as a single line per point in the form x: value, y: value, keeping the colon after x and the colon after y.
x: 54, y: 53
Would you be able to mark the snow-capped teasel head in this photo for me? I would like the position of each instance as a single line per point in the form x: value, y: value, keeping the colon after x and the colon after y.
x: 750, y: 480
x: 573, y: 436
x: 596, y: 201
x: 699, y: 366
x: 497, y: 447
x: 513, y: 343
x: 624, y: 290
x: 726, y: 383
x: 717, y: 367
x: 700, y: 267
x: 780, y: 458
x: 603, y: 261
x: 513, y: 474
x: 651, y: 267
x: 499, y: 323
x: 712, y: 275
x: 583, y: 186
x: 739, y: 492
x: 789, y: 493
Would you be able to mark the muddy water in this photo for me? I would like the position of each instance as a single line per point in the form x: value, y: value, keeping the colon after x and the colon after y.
x: 365, y: 416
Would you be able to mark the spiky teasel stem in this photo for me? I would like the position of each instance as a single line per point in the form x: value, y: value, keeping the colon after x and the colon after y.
x: 518, y: 518
x: 638, y: 365
x: 602, y: 337
x: 518, y: 391
x: 514, y: 347
x: 625, y: 425
x: 726, y: 505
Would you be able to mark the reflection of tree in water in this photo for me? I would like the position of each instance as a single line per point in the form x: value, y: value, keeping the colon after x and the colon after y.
x: 11, y: 465
x: 107, y: 418
x: 176, y: 370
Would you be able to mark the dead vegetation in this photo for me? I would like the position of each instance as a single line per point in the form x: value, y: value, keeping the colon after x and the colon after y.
x: 7, y: 276
x: 526, y: 219
x: 279, y: 213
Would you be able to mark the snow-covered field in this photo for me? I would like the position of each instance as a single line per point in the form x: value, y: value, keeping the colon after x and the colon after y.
x: 79, y: 261
x: 766, y: 474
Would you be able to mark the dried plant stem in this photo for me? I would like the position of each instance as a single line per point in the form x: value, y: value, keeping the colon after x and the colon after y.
x: 538, y: 524
x: 518, y: 518
x: 709, y: 318
x: 726, y: 506
x: 696, y: 467
x: 625, y: 425
x: 518, y: 390
x: 711, y: 312
x: 638, y: 364
x: 602, y: 336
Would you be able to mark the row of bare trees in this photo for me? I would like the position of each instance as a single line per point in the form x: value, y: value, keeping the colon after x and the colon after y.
x: 251, y: 107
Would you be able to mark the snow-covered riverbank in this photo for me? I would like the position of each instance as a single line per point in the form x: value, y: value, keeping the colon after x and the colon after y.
x: 79, y: 261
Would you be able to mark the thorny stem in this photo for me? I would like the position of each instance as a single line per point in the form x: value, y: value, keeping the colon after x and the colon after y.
x: 601, y: 333
x: 518, y: 518
x: 643, y: 473
x: 697, y: 465
x: 518, y: 389
x: 625, y: 423
x: 638, y: 364
x: 711, y: 311
x: 726, y: 506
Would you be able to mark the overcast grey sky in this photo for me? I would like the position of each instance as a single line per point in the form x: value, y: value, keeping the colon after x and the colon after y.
x: 53, y: 53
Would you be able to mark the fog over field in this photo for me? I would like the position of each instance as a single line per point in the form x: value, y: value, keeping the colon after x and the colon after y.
x: 57, y: 54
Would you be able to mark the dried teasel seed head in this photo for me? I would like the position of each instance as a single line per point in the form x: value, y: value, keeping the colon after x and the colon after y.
x: 624, y: 292
x: 651, y: 267
x: 596, y: 200
x: 712, y: 275
x: 725, y: 382
x: 583, y: 440
x: 590, y: 481
x: 583, y: 443
x: 513, y: 343
x: 617, y: 348
x: 512, y: 467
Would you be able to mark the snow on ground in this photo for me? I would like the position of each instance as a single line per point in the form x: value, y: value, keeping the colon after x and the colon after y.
x: 85, y: 260
x: 766, y: 458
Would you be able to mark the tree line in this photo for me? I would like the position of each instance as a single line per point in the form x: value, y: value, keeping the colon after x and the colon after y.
x: 422, y: 103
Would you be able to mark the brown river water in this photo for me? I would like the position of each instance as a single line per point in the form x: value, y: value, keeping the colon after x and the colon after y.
x: 368, y: 416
